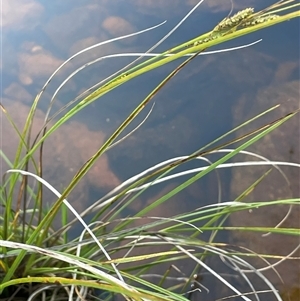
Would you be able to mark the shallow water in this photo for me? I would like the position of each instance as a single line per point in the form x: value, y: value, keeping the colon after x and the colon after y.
x: 207, y: 98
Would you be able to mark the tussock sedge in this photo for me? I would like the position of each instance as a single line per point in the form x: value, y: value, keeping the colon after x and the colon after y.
x: 39, y: 262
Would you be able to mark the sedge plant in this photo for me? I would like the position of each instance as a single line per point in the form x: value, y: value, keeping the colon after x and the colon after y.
x: 38, y: 262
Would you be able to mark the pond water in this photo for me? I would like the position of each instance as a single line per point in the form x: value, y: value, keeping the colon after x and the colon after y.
x: 210, y: 96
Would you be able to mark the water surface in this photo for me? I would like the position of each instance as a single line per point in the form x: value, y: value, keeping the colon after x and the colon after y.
x: 210, y: 96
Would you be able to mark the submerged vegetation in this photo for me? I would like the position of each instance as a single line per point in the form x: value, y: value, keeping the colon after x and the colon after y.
x: 111, y: 257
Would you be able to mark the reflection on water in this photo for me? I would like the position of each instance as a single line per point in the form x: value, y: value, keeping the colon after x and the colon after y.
x: 206, y: 99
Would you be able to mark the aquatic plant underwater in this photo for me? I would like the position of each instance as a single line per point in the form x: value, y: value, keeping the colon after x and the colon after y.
x: 39, y: 262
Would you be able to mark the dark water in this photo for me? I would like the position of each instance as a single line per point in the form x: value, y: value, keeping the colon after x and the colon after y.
x: 206, y: 99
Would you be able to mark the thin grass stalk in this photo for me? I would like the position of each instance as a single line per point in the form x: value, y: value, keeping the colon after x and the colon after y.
x: 123, y: 78
x: 45, y: 223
